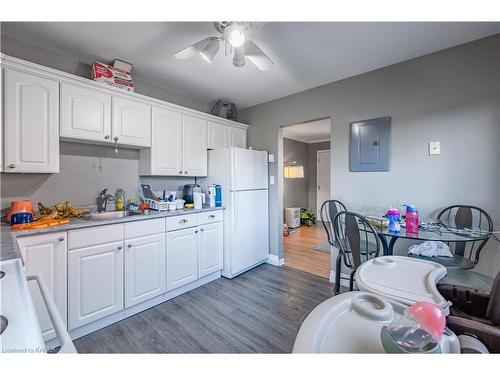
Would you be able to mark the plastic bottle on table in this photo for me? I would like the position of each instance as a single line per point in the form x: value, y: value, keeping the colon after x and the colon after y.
x: 411, y: 219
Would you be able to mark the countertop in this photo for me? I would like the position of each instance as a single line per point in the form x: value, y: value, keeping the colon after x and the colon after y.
x: 10, y: 249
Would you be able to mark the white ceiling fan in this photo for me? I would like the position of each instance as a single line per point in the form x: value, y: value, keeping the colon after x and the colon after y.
x: 234, y: 35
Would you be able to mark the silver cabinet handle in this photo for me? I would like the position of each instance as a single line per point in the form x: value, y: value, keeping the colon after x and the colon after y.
x: 180, y: 172
x: 195, y: 231
x: 211, y: 216
x: 129, y: 245
x: 61, y: 238
x: 183, y: 221
x: 106, y: 137
x: 120, y: 247
x: 12, y: 166
x: 185, y: 172
x: 115, y: 138
x: 201, y: 230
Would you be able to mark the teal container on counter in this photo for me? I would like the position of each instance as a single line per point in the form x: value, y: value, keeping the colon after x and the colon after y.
x: 218, y: 196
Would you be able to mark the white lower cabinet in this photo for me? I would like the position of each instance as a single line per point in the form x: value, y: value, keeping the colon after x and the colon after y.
x: 182, y: 257
x: 46, y: 255
x: 144, y: 268
x: 95, y: 283
x: 210, y: 248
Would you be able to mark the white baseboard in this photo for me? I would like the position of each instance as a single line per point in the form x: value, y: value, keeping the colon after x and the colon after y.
x: 343, y: 281
x: 275, y: 261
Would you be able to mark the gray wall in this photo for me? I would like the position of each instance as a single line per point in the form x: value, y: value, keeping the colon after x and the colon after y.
x: 452, y: 96
x: 295, y: 190
x: 84, y: 171
x: 312, y: 179
x: 73, y: 65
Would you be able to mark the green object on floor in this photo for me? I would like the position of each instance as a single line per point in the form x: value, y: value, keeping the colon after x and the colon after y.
x: 307, y: 217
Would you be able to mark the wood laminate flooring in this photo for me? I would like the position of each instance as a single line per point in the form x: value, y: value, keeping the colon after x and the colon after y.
x: 259, y: 311
x: 299, y: 252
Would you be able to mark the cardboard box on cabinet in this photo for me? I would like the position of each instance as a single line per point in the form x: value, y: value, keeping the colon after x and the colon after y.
x: 112, y: 76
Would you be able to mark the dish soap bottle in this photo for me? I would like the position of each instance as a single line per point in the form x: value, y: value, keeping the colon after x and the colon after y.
x: 411, y: 219
x: 120, y: 200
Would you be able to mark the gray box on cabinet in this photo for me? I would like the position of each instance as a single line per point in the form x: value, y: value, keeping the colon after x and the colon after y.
x: 369, y: 145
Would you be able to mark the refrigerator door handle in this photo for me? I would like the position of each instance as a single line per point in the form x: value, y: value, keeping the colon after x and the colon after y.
x: 234, y: 213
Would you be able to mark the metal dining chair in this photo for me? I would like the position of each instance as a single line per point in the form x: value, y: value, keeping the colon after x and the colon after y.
x: 358, y: 242
x: 463, y: 217
x: 329, y: 209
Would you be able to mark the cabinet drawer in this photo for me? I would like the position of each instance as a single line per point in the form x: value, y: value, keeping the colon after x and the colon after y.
x: 144, y: 228
x: 79, y: 238
x: 210, y: 217
x: 181, y: 221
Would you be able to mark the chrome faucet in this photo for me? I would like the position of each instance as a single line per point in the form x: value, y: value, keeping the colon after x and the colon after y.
x: 102, y: 200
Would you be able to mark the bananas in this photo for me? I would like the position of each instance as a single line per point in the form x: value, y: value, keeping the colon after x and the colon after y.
x: 60, y: 211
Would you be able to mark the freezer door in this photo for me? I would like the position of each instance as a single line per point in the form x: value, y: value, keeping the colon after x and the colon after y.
x: 249, y: 169
x: 249, y: 229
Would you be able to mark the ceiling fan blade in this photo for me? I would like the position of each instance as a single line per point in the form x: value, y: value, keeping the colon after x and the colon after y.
x: 193, y: 49
x: 257, y: 57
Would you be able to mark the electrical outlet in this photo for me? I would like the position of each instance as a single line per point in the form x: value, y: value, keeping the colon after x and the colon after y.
x: 435, y: 148
x: 271, y: 180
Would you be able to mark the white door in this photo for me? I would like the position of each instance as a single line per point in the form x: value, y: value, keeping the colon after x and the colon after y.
x: 95, y: 283
x: 248, y: 229
x: 166, y: 146
x: 85, y: 113
x: 131, y: 122
x: 218, y: 135
x: 45, y: 255
x: 249, y: 169
x: 238, y: 137
x: 194, y: 146
x: 182, y: 257
x: 144, y: 268
x: 210, y: 248
x: 31, y: 123
x: 323, y: 178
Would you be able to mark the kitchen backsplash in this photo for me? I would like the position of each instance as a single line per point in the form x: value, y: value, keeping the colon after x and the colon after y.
x: 84, y: 171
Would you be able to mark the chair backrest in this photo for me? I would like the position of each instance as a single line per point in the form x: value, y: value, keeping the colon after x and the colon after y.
x: 357, y: 238
x: 467, y: 217
x: 329, y: 209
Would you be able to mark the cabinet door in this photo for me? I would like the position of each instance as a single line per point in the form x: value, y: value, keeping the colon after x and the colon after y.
x: 85, y: 113
x: 45, y: 256
x: 182, y: 254
x: 238, y: 137
x: 131, y: 122
x: 194, y: 145
x: 210, y: 249
x: 95, y: 283
x: 165, y: 156
x: 144, y: 268
x: 218, y: 135
x: 31, y: 123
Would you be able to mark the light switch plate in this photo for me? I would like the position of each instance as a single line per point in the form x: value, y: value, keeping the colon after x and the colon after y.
x: 271, y: 158
x: 435, y: 148
x: 271, y: 180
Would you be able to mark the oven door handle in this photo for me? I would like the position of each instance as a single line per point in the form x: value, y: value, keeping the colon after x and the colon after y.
x: 64, y: 339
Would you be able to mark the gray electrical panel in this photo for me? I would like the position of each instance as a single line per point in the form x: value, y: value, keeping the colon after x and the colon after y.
x: 369, y: 145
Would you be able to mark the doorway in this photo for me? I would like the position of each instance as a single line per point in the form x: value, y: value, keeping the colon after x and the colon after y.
x: 305, y: 186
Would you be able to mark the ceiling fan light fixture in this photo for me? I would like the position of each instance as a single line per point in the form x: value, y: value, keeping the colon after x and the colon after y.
x: 234, y: 35
x: 208, y: 53
x: 239, y: 57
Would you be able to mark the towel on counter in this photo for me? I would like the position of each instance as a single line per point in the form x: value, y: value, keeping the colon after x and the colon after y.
x: 431, y: 249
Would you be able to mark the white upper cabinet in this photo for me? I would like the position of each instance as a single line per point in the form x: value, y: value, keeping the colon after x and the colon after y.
x: 131, y: 122
x: 194, y: 145
x: 218, y: 135
x: 85, y: 113
x: 164, y: 158
x: 31, y: 123
x: 238, y: 137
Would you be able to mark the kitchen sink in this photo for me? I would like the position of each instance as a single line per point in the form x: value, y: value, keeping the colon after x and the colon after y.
x: 106, y: 215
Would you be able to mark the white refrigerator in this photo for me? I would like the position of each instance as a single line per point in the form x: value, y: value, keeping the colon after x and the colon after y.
x: 243, y: 176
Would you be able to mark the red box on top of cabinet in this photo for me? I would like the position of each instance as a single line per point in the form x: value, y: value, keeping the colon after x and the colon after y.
x: 112, y: 76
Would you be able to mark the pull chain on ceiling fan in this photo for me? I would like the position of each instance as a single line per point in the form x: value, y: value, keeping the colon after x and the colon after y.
x: 235, y: 41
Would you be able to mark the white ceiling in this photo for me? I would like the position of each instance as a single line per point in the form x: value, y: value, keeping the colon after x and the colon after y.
x: 305, y: 54
x: 309, y: 132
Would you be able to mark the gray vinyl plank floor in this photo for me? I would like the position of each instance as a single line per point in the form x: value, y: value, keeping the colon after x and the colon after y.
x: 259, y: 311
